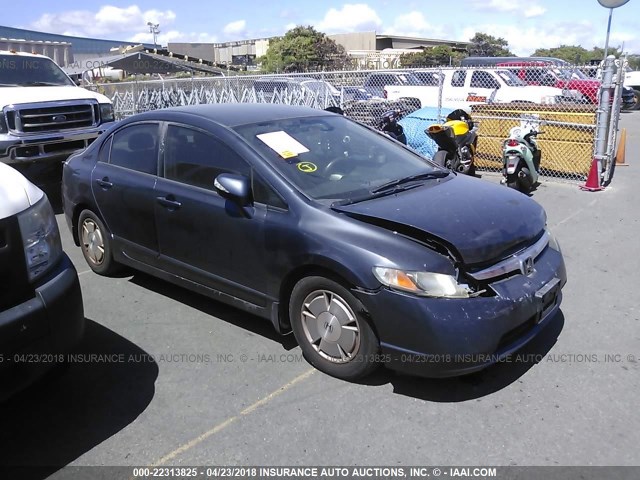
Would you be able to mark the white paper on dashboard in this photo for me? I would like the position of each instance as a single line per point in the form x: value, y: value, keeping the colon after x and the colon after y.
x: 283, y: 144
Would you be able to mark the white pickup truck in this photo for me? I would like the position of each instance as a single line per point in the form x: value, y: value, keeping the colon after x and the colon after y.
x: 632, y: 80
x: 45, y: 116
x: 464, y: 87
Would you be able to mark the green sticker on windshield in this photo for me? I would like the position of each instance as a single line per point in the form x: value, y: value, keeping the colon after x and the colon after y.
x: 307, y: 167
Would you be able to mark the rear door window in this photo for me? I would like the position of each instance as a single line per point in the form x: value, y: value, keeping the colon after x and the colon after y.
x: 136, y: 147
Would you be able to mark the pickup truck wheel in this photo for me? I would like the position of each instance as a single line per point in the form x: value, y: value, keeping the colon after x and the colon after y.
x: 95, y: 243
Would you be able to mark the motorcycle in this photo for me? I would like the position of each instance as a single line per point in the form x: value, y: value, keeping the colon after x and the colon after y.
x: 457, y: 140
x: 521, y: 158
x: 389, y: 125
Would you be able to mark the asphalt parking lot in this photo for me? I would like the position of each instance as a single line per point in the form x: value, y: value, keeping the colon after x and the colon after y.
x: 178, y: 379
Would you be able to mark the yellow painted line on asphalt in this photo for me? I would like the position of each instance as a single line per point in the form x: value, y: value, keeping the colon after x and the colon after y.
x: 229, y: 421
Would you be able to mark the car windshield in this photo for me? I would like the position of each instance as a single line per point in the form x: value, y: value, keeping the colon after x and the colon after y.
x: 580, y: 75
x: 510, y: 78
x: 320, y: 87
x: 22, y: 70
x: 331, y: 158
x: 409, y: 79
x: 428, y: 78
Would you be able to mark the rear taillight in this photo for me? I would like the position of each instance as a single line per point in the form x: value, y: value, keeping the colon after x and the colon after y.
x: 513, y: 143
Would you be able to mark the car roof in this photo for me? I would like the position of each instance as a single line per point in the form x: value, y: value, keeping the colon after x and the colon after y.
x: 531, y: 63
x: 233, y: 114
x: 485, y: 61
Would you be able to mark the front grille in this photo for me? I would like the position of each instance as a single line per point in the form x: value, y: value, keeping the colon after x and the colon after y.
x: 521, y: 262
x: 51, y: 117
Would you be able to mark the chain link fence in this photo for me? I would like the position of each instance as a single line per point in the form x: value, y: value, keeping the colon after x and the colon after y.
x: 566, y: 100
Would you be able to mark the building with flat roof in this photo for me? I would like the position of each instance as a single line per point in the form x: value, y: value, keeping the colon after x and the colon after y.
x: 370, y: 49
x: 79, y: 48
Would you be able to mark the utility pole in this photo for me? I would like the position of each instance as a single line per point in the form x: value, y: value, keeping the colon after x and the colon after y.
x: 610, y: 4
x: 154, y: 29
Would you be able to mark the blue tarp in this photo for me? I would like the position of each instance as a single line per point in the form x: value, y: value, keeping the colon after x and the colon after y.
x: 416, y: 123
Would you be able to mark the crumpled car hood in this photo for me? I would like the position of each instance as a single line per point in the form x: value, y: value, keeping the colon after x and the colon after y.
x: 480, y: 221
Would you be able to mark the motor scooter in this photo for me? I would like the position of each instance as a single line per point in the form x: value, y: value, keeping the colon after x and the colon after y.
x: 521, y: 157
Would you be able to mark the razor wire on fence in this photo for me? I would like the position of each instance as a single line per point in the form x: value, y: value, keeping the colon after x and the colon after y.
x: 567, y: 101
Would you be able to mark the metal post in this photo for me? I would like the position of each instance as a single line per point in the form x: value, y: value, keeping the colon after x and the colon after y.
x: 604, y: 110
x: 606, y: 42
x: 440, y: 93
x: 613, y: 122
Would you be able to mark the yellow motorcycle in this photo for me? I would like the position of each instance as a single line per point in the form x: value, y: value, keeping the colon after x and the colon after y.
x: 457, y: 142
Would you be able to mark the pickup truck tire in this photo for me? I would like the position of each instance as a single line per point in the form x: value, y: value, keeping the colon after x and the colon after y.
x: 95, y: 244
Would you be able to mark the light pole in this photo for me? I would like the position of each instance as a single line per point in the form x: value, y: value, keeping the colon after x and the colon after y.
x: 153, y: 28
x: 610, y: 4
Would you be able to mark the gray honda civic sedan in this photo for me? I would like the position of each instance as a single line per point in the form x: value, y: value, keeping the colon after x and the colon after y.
x: 367, y: 251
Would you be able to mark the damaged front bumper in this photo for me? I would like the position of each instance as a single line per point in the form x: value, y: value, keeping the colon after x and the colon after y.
x: 439, y: 337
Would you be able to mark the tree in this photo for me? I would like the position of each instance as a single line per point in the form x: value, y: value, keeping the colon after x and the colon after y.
x: 634, y: 61
x: 431, y: 57
x: 575, y: 54
x: 483, y: 45
x: 303, y: 49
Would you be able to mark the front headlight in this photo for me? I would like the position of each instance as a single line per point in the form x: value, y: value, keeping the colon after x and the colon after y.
x: 106, y: 112
x: 426, y: 284
x: 40, y: 238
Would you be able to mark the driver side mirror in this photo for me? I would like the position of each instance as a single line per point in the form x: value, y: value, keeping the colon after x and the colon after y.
x: 237, y: 189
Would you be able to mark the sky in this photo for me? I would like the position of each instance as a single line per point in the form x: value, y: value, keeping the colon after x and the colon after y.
x: 525, y: 24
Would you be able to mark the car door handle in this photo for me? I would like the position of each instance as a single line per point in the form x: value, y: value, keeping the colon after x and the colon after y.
x: 169, y: 202
x: 104, y: 183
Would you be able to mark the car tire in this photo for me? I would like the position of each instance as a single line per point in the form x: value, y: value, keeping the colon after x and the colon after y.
x: 95, y: 243
x: 330, y: 324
